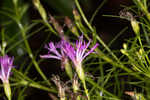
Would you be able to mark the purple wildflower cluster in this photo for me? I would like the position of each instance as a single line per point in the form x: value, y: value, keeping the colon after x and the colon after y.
x: 6, y: 65
x: 76, y: 53
x: 56, y: 51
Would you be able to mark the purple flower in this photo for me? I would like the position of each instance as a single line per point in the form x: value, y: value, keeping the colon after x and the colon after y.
x: 79, y: 52
x: 76, y: 54
x: 6, y: 65
x: 55, y: 51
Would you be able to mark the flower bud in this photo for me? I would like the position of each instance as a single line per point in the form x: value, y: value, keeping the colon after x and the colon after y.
x: 76, y: 15
x: 57, y: 26
x: 68, y: 69
x: 135, y: 26
x: 141, y: 52
x: 4, y: 44
x: 41, y: 10
x: 80, y: 73
x: 71, y: 26
x: 123, y: 52
x: 125, y: 46
x: 7, y: 90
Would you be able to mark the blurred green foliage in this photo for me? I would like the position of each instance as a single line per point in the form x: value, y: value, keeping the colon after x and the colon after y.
x: 62, y: 6
x: 9, y: 10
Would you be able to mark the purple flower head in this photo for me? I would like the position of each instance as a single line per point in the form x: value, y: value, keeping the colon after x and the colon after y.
x: 55, y: 51
x: 79, y: 52
x: 6, y: 65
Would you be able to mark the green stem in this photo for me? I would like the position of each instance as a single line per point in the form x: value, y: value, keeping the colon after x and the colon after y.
x: 96, y: 11
x: 38, y: 86
x: 83, y: 16
x: 91, y: 28
x: 86, y: 90
x: 31, y: 54
x: 29, y: 51
x: 3, y: 45
x: 50, y: 27
x: 144, y: 8
x: 140, y: 41
x: 102, y: 89
x: 118, y: 63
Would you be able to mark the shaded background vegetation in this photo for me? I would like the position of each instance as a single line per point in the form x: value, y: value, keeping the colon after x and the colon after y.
x: 107, y: 28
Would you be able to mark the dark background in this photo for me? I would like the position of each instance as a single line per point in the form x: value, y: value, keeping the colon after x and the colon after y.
x: 107, y: 28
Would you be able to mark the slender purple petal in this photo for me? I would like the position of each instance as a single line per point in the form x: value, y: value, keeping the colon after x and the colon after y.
x: 50, y: 56
x: 86, y: 46
x: 52, y: 49
x: 6, y: 65
x: 54, y: 53
x: 69, y: 50
x: 92, y: 49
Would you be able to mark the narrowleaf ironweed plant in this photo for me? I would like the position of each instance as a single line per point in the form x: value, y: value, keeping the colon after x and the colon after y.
x: 94, y: 70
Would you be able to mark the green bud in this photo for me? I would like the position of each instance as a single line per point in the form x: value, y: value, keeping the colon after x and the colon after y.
x: 135, y: 26
x: 71, y: 26
x: 4, y: 44
x: 125, y: 46
x: 141, y: 52
x: 76, y: 15
x: 7, y: 90
x: 123, y: 52
x: 80, y: 73
x: 75, y: 31
x: 41, y: 10
x: 68, y: 69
